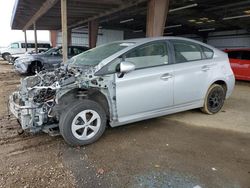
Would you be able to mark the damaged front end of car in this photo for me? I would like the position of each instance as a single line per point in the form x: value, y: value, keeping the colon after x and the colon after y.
x: 41, y: 98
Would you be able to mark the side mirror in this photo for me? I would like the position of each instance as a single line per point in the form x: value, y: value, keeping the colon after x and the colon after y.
x: 54, y: 53
x: 125, y: 67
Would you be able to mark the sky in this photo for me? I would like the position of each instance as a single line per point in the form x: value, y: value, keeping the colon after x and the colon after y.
x: 6, y: 34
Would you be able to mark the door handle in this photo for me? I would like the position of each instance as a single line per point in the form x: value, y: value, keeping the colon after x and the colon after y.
x: 166, y: 76
x: 205, y: 68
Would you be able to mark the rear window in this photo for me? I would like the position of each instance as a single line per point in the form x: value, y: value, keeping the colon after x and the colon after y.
x: 234, y: 54
x: 208, y: 52
x: 39, y: 45
x: 43, y: 45
x: 245, y: 55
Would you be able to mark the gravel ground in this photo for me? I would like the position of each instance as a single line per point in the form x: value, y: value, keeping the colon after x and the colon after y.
x: 171, y: 151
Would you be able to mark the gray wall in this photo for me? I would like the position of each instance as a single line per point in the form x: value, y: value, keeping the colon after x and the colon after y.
x: 229, y: 39
x: 226, y: 39
x: 80, y: 37
x: 221, y: 40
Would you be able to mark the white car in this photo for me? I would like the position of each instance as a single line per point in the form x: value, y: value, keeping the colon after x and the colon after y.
x: 18, y: 48
x: 124, y: 82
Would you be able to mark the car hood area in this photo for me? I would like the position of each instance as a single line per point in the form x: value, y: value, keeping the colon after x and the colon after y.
x: 39, y: 94
x: 31, y: 56
x: 56, y: 79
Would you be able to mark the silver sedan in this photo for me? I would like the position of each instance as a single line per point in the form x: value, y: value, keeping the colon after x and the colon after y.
x: 124, y: 82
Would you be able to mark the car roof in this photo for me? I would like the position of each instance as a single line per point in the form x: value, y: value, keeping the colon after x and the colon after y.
x: 151, y: 39
x: 72, y: 46
x: 30, y: 41
x: 237, y: 49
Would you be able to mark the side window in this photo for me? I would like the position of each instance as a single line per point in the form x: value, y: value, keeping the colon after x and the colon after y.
x: 60, y: 51
x: 208, y: 52
x: 70, y: 51
x: 245, y: 55
x: 14, y: 45
x: 76, y: 51
x: 30, y: 45
x: 23, y: 45
x: 149, y: 55
x: 43, y: 45
x: 234, y: 54
x: 186, y: 51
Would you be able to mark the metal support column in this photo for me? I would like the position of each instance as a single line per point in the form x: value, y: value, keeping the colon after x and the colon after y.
x: 93, y: 32
x: 156, y: 17
x: 64, y: 30
x: 53, y: 38
x: 35, y: 35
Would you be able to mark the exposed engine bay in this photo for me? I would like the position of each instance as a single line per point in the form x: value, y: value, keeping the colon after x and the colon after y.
x: 38, y: 104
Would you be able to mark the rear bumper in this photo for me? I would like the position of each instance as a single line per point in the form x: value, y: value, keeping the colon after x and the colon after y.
x: 230, y: 85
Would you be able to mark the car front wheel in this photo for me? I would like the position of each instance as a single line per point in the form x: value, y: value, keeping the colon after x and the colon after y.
x: 6, y: 56
x: 35, y: 67
x: 214, y: 100
x: 82, y: 123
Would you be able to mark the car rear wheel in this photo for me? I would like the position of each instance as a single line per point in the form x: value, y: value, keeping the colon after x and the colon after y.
x: 82, y: 123
x: 214, y: 100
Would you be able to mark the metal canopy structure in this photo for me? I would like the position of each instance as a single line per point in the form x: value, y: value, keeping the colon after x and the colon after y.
x: 184, y: 17
x: 147, y: 17
x: 48, y: 13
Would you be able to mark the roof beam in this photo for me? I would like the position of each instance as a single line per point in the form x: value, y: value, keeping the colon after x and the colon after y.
x: 230, y: 5
x: 120, y: 8
x: 43, y: 9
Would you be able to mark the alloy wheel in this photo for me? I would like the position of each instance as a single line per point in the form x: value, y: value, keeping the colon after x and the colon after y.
x: 215, y: 99
x: 86, y: 124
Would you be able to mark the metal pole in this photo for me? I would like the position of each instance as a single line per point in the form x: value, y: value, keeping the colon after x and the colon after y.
x: 93, y: 33
x: 35, y: 33
x: 156, y: 17
x: 25, y: 38
x: 64, y: 30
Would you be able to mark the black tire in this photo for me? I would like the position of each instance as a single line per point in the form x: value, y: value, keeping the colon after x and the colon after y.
x: 69, y: 115
x: 35, y: 67
x: 214, y: 100
x: 5, y: 56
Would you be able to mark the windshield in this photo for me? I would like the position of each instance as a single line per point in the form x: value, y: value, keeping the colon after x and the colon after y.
x: 13, y: 45
x: 50, y: 51
x: 94, y: 56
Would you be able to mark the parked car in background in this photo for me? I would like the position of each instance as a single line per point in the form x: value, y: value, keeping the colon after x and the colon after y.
x: 12, y: 58
x: 48, y: 60
x: 240, y: 63
x: 19, y: 48
x: 123, y: 82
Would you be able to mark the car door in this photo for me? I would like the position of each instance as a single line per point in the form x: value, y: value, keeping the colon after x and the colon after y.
x: 15, y: 48
x: 55, y: 58
x: 191, y: 72
x: 149, y: 87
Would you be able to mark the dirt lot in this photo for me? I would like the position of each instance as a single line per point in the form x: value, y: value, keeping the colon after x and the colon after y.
x: 180, y: 150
